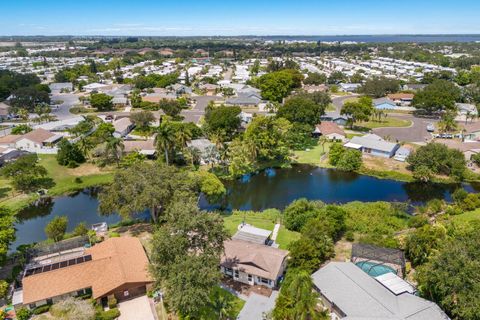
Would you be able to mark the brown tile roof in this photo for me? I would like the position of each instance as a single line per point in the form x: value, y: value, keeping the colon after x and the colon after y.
x: 115, y: 262
x: 9, y: 139
x: 138, y: 145
x: 38, y: 135
x: 400, y: 96
x: 256, y: 259
x: 327, y: 128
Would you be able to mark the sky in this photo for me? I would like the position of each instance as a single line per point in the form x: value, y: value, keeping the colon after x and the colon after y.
x: 246, y: 17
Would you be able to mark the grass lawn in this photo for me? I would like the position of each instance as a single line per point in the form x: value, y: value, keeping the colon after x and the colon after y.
x: 264, y: 220
x: 312, y: 156
x: 65, y: 180
x: 467, y: 217
x: 235, y: 303
x: 388, y: 122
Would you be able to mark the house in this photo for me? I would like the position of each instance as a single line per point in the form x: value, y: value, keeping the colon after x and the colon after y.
x: 466, y: 108
x: 350, y: 293
x: 117, y: 267
x: 10, y: 155
x: 336, y: 117
x: 210, y: 89
x: 207, y: 150
x: 330, y: 130
x: 122, y: 127
x: 401, y: 99
x: 402, y: 154
x: 414, y: 86
x: 38, y: 141
x: 61, y: 87
x: 350, y: 87
x: 119, y: 101
x: 252, y: 234
x: 180, y: 89
x: 315, y: 88
x: 253, y: 264
x: 9, y: 141
x: 249, y: 99
x: 373, y: 145
x: 145, y: 147
x: 4, y: 111
x: 384, y: 104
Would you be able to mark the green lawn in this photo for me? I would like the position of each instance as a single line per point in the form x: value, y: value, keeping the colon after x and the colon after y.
x: 313, y: 155
x: 64, y: 177
x: 236, y: 305
x: 65, y: 180
x: 467, y: 217
x: 386, y: 122
x: 264, y: 220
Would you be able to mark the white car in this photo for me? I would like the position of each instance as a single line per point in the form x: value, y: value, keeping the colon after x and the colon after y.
x: 430, y: 127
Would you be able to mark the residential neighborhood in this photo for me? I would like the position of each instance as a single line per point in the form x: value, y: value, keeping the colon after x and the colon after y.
x: 195, y: 171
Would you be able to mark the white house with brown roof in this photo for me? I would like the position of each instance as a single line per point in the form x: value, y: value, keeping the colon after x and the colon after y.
x: 252, y: 263
x: 38, y: 141
x: 122, y: 127
x: 117, y: 267
x: 330, y: 130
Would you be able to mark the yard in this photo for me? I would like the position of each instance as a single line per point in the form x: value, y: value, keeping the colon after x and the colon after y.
x: 65, y: 179
x: 313, y: 155
x: 264, y: 220
x: 391, y: 122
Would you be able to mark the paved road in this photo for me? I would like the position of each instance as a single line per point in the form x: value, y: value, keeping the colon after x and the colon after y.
x: 338, y: 101
x: 202, y: 102
x: 417, y: 132
x: 62, y: 111
x: 228, y: 74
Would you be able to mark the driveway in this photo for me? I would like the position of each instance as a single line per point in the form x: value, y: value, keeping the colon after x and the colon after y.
x: 417, y: 132
x: 202, y: 102
x: 136, y: 309
x: 338, y: 101
x: 62, y: 111
x: 256, y: 306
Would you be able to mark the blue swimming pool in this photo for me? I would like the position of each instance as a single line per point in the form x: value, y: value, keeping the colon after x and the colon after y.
x: 374, y: 269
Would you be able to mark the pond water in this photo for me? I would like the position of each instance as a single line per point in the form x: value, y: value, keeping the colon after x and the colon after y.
x: 274, y: 188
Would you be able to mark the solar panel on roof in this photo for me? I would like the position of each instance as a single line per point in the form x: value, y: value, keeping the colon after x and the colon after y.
x: 58, y: 265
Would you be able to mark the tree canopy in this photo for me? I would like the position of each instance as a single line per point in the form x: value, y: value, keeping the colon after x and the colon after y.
x: 185, y: 255
x: 101, y: 101
x: 305, y: 108
x: 378, y: 87
x: 450, y: 277
x: 279, y: 84
x: 440, y: 95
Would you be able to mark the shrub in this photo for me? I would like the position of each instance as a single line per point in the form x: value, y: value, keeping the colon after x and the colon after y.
x: 114, y: 234
x: 41, y: 309
x: 350, y: 160
x: 112, y: 302
x: 350, y: 236
x: 78, y: 180
x: 418, y: 221
x: 23, y: 314
x: 108, y: 315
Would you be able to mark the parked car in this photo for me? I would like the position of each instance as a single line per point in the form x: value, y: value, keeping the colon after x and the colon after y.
x: 430, y: 127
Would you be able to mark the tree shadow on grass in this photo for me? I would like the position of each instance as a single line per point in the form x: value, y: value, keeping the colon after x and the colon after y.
x: 4, y: 192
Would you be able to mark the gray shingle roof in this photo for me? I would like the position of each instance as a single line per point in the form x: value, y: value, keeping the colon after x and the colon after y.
x: 371, y: 143
x: 360, y: 296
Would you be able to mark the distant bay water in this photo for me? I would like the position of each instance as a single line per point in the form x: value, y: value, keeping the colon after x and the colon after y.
x: 383, y: 38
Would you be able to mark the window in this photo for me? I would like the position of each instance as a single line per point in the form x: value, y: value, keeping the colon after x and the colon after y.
x: 229, y: 271
x: 250, y: 278
x: 236, y: 274
x: 126, y: 293
x: 263, y: 280
x: 49, y: 301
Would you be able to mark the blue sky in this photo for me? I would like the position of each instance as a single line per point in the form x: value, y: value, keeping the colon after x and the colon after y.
x: 247, y: 17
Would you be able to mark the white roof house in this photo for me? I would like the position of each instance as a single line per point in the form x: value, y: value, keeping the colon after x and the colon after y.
x: 351, y: 293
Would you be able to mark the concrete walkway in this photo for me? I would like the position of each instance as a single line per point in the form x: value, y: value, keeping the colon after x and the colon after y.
x: 137, y: 308
x: 275, y: 231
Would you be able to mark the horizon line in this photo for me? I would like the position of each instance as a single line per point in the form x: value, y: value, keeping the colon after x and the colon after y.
x: 251, y: 35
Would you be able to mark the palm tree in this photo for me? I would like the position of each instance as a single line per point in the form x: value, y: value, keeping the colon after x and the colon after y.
x: 165, y: 139
x: 183, y: 136
x: 222, y: 304
x: 322, y: 140
x: 114, y: 148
